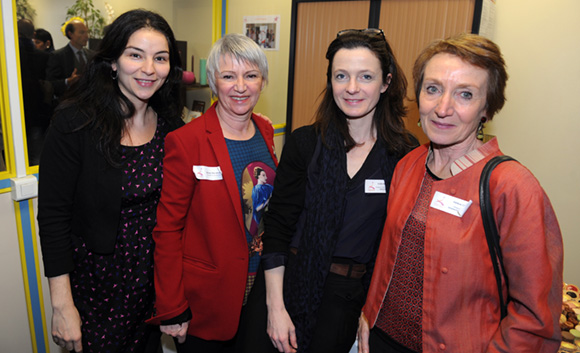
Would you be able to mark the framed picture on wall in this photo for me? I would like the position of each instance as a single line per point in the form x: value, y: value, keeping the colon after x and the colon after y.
x: 263, y: 30
x: 484, y: 18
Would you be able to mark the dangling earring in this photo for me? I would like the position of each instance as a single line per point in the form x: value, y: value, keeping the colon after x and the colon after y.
x: 419, y: 122
x: 480, y: 129
x: 114, y: 74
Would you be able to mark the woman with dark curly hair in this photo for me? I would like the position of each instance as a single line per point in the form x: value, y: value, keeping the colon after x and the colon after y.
x: 101, y: 175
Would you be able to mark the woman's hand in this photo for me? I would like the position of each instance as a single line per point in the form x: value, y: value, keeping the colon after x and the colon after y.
x: 66, y: 328
x: 66, y: 321
x: 281, y: 331
x: 178, y: 331
x: 280, y: 327
x: 363, y: 334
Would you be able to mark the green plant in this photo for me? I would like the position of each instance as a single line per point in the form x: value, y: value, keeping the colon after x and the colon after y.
x: 24, y: 10
x: 92, y: 16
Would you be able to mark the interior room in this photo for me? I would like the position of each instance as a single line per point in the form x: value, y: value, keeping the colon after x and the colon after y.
x: 537, y: 125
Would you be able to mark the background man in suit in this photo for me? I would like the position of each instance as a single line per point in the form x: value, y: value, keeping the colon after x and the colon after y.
x: 68, y: 63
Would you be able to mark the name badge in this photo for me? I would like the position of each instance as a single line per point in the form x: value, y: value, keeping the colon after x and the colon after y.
x: 375, y: 186
x: 450, y: 204
x: 203, y: 172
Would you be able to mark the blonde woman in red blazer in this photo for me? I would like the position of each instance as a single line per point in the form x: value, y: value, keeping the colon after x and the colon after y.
x: 202, y: 248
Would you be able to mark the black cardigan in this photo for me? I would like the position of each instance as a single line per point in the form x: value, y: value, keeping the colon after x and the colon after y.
x: 287, y: 202
x: 79, y: 194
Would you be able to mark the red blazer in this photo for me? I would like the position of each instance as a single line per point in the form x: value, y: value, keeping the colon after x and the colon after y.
x: 201, y: 252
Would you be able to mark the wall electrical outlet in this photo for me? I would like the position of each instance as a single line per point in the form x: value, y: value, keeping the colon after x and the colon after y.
x: 24, y: 188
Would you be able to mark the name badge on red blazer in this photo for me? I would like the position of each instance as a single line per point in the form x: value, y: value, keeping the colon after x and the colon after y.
x: 203, y: 172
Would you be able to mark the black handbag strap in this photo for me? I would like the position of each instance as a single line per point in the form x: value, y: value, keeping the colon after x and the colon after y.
x: 491, y: 232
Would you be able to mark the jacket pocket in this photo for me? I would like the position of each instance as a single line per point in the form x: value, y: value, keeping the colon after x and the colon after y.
x: 194, y: 264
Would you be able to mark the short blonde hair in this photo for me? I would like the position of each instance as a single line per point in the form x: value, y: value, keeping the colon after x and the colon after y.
x: 239, y: 47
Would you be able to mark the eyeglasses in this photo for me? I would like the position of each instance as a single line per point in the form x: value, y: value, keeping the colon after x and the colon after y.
x: 375, y: 31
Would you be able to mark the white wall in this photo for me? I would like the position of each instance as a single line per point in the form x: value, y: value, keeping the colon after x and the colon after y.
x: 14, y: 329
x: 541, y: 119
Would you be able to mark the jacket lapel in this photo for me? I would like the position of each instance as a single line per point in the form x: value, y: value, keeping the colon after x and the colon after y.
x: 218, y: 144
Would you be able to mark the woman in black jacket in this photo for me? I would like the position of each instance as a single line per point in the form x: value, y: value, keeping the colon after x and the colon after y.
x: 329, y: 203
x: 100, y: 181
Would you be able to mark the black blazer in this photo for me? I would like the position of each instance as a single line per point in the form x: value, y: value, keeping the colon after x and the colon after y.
x: 79, y: 194
x: 61, y: 65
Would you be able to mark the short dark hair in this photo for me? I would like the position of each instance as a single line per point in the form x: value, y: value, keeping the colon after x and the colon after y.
x: 43, y: 35
x: 25, y: 28
x: 477, y: 51
x: 257, y: 172
x: 70, y: 27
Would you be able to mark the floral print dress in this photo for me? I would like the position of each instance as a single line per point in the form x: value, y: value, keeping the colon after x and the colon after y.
x: 114, y: 293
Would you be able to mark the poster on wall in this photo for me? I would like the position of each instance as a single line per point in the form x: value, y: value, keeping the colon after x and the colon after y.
x: 484, y: 18
x: 264, y: 30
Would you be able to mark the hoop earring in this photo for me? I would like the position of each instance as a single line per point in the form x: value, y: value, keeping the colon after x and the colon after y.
x: 114, y: 74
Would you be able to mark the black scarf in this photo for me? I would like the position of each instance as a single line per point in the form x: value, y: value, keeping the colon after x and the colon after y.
x: 323, y: 208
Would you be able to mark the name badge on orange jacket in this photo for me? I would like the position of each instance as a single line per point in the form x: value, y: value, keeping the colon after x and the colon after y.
x: 450, y: 204
x: 203, y: 172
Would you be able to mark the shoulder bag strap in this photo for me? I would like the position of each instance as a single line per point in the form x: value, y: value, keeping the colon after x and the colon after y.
x: 491, y: 232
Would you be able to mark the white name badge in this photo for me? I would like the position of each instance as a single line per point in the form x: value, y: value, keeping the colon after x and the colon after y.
x: 450, y: 204
x: 203, y: 172
x: 375, y: 186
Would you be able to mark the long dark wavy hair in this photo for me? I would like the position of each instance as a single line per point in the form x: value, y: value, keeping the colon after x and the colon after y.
x: 97, y: 95
x: 390, y: 109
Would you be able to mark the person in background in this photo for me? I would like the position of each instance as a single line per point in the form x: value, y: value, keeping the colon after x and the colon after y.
x: 434, y: 287
x: 206, y: 244
x: 36, y: 91
x: 101, y: 172
x: 43, y: 40
x: 67, y: 64
x: 328, y: 206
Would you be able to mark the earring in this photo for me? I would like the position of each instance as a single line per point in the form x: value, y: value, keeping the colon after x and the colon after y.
x: 480, y: 129
x: 419, y: 122
x: 114, y: 74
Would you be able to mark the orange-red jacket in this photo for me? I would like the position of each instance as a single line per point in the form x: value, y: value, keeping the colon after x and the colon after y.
x: 460, y: 299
